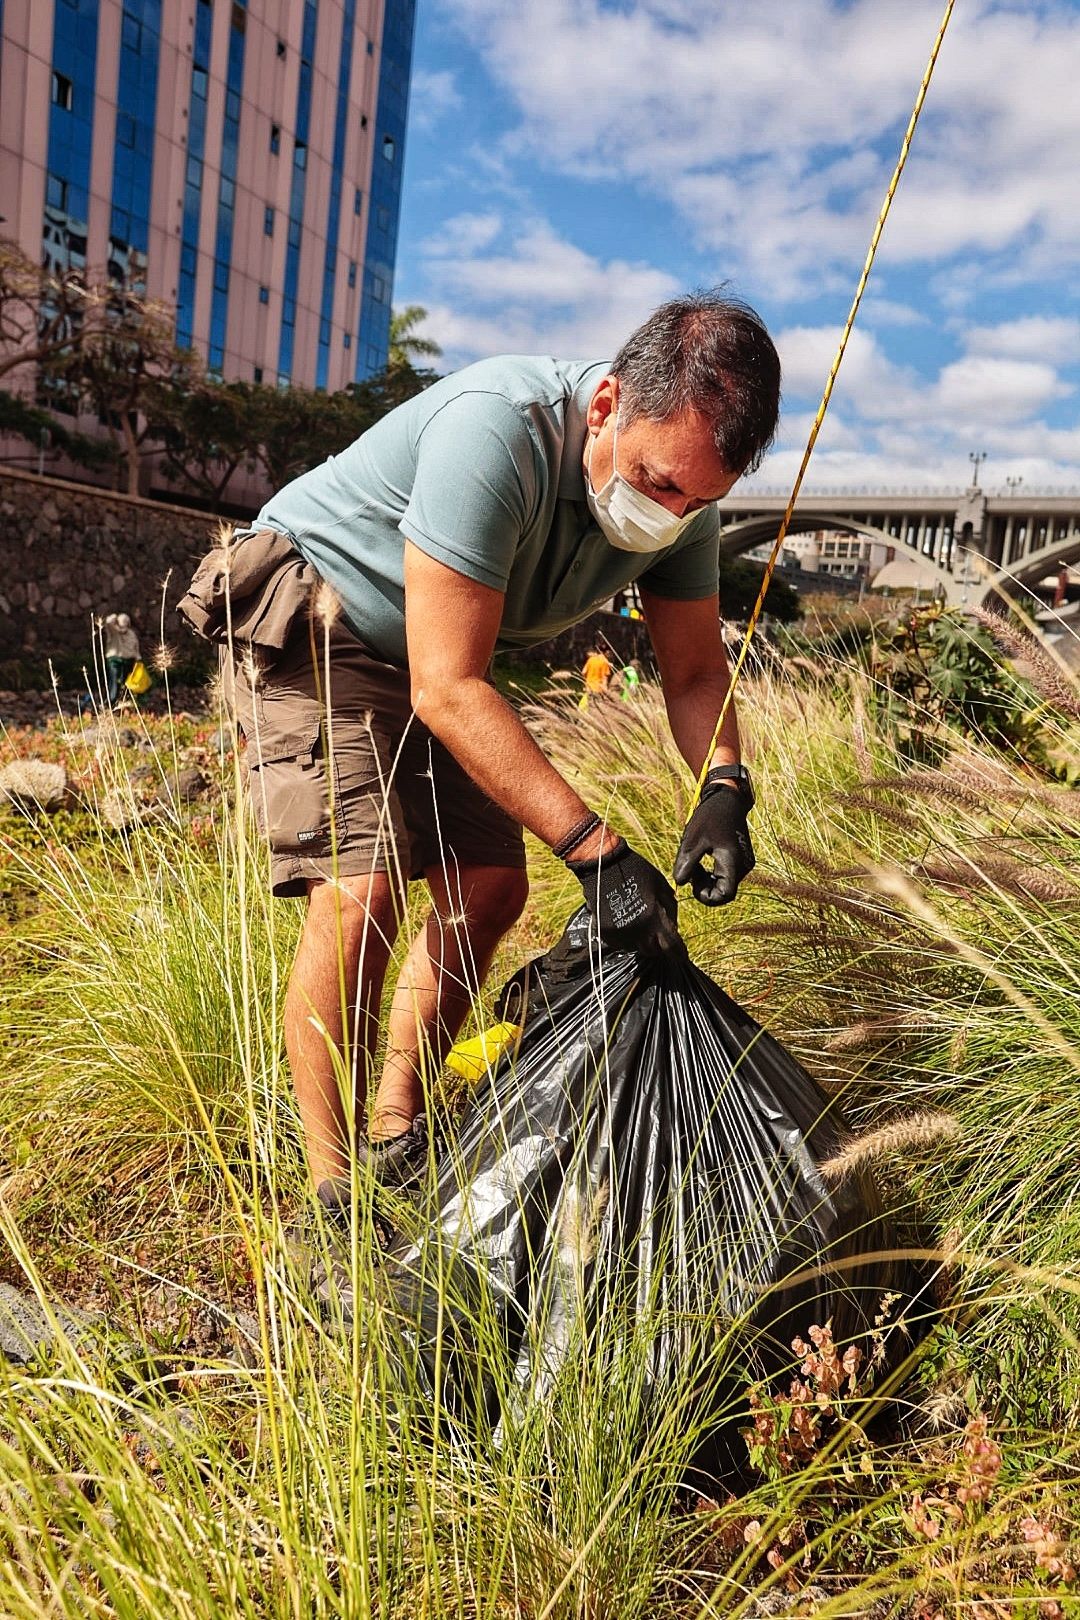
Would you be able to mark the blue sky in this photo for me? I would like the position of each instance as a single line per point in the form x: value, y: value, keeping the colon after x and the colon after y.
x: 571, y: 163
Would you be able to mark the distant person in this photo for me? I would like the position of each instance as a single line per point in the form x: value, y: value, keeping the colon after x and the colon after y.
x: 629, y: 681
x: 596, y: 674
x: 121, y: 645
x: 1061, y: 589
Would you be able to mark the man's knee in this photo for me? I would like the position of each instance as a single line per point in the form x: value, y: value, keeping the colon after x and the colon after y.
x: 489, y: 900
x: 354, y: 909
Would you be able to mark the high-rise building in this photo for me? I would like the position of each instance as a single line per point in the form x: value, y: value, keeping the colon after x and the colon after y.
x: 239, y: 159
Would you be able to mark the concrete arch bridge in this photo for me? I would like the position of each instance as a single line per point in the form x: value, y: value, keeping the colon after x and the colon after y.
x: 966, y: 544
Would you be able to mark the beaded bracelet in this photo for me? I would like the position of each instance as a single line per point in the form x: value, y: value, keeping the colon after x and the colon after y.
x: 575, y: 836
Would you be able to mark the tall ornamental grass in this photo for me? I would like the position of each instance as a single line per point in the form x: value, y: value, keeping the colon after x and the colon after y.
x: 910, y: 935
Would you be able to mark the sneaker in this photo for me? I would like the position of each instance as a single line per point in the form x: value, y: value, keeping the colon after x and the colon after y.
x: 400, y: 1162
x: 318, y: 1241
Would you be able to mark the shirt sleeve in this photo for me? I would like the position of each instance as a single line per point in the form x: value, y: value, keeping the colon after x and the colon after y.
x: 475, y: 487
x: 690, y: 571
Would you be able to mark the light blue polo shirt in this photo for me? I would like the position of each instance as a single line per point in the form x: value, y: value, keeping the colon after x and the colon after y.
x: 482, y: 471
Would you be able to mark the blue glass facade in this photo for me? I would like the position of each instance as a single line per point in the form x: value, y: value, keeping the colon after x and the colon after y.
x: 193, y: 177
x: 373, y: 342
x: 230, y: 140
x: 71, y: 128
x: 133, y: 153
x: 207, y: 57
x: 297, y: 193
x: 326, y: 311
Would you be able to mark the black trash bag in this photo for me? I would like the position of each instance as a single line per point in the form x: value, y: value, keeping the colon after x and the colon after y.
x: 641, y: 1177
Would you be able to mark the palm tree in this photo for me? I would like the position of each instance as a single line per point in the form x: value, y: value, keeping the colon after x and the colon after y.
x: 406, y: 344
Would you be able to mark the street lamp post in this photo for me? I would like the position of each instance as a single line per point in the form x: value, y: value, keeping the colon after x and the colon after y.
x: 976, y: 458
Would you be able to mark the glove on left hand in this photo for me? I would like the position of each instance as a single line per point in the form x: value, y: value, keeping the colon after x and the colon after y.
x: 717, y: 828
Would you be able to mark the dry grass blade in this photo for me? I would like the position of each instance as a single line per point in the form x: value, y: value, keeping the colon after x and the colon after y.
x: 1020, y: 879
x: 1056, y: 685
x: 900, y: 1138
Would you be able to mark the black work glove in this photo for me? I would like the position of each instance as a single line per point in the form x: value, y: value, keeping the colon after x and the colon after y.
x: 632, y: 904
x: 717, y: 828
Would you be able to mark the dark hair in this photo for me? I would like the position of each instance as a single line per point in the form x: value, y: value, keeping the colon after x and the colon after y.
x: 710, y: 353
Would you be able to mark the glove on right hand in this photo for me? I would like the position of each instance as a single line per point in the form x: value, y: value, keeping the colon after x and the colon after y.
x: 633, y: 905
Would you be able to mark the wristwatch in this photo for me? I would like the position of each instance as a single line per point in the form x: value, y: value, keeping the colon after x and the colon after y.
x: 731, y: 773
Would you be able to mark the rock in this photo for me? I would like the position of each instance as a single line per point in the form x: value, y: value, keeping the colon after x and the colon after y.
x: 26, y: 1330
x: 35, y: 784
x: 786, y: 1605
x: 185, y: 785
x: 245, y: 1339
x: 107, y: 736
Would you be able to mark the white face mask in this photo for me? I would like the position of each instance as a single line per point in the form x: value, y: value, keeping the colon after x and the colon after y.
x: 630, y: 520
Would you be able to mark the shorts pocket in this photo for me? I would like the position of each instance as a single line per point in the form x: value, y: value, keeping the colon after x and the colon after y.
x: 293, y: 785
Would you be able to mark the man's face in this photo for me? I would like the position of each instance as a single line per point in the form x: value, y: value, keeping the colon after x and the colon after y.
x: 675, y: 463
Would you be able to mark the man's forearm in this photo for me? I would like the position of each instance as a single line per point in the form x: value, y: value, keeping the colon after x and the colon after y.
x: 486, y: 737
x: 692, y: 714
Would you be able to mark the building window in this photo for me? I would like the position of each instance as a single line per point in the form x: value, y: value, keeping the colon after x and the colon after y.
x: 300, y: 155
x: 382, y: 217
x: 388, y: 148
x: 363, y: 120
x: 62, y: 90
x: 268, y: 221
x: 348, y: 340
x: 358, y: 200
x: 221, y: 276
x: 275, y: 138
x: 56, y: 192
x: 281, y: 47
x: 352, y: 272
x: 264, y: 295
x: 239, y: 19
x: 258, y: 373
x: 370, y: 48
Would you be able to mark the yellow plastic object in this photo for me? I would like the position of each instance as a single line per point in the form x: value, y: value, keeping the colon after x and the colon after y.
x: 140, y: 679
x: 471, y: 1059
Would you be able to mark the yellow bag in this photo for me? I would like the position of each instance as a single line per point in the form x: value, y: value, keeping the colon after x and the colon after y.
x: 140, y: 679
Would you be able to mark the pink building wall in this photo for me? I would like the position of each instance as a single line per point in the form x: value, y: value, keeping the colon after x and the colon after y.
x: 269, y: 96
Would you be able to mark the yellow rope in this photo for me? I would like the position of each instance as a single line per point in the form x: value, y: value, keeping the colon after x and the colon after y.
x: 755, y: 615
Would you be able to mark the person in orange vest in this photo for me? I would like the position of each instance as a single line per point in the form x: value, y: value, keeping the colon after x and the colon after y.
x: 596, y: 674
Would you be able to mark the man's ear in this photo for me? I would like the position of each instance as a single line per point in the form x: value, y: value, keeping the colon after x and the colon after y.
x: 605, y: 399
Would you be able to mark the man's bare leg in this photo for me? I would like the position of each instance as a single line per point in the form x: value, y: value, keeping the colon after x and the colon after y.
x: 348, y: 934
x: 446, y: 965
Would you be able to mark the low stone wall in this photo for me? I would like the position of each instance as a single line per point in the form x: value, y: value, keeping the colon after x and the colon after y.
x: 70, y: 551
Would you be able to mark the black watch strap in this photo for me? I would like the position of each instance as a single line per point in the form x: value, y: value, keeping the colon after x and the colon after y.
x: 730, y: 773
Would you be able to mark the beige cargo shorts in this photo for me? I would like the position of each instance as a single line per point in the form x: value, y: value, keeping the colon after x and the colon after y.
x: 344, y: 779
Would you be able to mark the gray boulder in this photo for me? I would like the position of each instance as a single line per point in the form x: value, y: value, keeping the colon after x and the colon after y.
x: 28, y: 1330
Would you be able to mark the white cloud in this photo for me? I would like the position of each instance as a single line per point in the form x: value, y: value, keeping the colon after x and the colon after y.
x: 773, y: 127
x: 983, y: 389
x: 464, y: 234
x: 1055, y: 339
x: 541, y: 294
x: 432, y: 96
